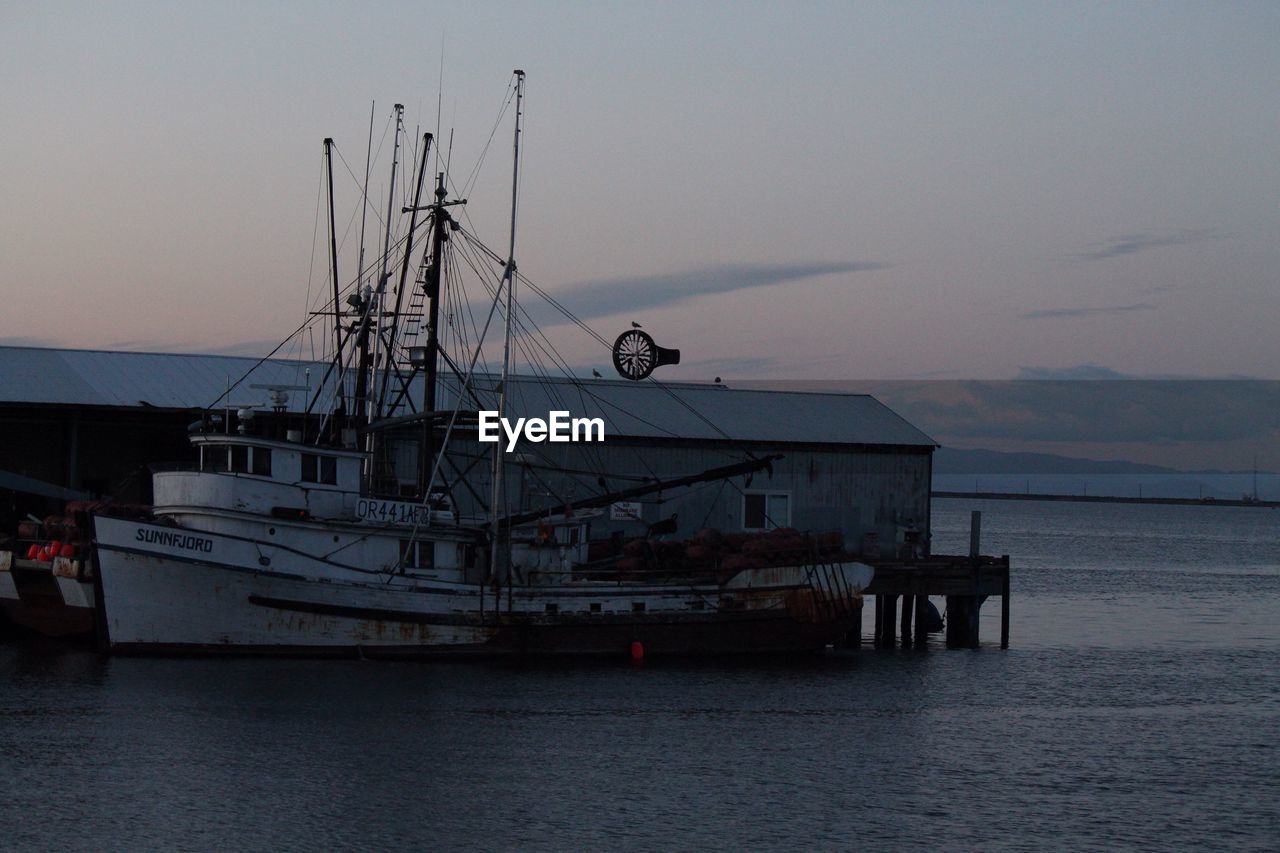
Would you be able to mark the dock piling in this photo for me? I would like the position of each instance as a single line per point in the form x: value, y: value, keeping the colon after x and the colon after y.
x: 878, y: 628
x: 908, y: 610
x: 922, y: 621
x: 890, y: 621
x: 1004, y: 605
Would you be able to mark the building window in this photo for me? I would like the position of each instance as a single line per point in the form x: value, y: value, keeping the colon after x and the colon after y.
x: 417, y: 555
x: 766, y: 510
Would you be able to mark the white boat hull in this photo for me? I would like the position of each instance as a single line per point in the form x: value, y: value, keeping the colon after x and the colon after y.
x: 174, y: 589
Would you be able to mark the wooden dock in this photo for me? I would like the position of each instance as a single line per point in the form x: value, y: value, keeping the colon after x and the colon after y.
x: 965, y: 581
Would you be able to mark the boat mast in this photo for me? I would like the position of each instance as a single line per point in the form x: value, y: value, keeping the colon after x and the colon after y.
x: 364, y: 300
x: 333, y: 258
x: 509, y: 278
x: 404, y: 270
x: 386, y: 254
x: 441, y: 221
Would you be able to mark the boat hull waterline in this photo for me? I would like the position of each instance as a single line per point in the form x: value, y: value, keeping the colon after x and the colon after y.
x: 177, y: 590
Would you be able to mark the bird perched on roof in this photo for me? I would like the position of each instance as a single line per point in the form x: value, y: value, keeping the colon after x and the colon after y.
x: 717, y: 380
x: 635, y: 325
x: 596, y: 373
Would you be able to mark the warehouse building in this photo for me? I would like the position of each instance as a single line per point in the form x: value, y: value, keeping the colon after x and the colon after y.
x: 76, y: 421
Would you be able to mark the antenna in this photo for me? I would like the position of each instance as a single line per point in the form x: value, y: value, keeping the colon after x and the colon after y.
x: 279, y: 394
x: 244, y: 414
x: 364, y: 208
x: 439, y: 98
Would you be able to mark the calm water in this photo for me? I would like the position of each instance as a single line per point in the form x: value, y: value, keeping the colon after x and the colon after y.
x: 1138, y: 707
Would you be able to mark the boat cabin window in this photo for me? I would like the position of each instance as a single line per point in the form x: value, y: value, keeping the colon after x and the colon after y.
x: 319, y: 469
x: 237, y: 459
x: 467, y: 556
x: 213, y: 459
x: 766, y: 510
x: 417, y: 555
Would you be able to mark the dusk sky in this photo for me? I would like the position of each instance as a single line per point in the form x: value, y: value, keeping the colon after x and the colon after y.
x: 791, y: 191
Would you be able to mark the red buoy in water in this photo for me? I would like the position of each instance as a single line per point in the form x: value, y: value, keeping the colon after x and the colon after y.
x: 637, y: 651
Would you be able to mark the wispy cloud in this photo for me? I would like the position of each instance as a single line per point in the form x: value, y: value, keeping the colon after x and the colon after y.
x: 1079, y: 371
x: 591, y: 300
x: 141, y: 345
x: 1049, y: 313
x: 25, y: 341
x: 743, y: 366
x: 237, y: 348
x: 1128, y: 244
x: 1090, y: 371
x: 146, y: 345
x: 1122, y: 410
x: 248, y: 348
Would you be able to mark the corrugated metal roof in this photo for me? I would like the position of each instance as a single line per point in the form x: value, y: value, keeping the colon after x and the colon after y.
x: 635, y: 409
x: 141, y: 379
x: 715, y: 412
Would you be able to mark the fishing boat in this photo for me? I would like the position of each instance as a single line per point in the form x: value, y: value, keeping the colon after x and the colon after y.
x: 293, y: 534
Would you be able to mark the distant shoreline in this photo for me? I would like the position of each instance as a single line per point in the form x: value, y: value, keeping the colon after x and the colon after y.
x: 1106, y: 499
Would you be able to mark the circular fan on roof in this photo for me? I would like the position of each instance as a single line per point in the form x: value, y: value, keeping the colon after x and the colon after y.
x: 635, y: 355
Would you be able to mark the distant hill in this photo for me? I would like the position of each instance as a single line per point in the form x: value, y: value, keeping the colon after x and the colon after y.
x: 949, y: 460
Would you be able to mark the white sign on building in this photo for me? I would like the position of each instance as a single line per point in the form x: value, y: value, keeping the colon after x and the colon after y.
x: 624, y: 511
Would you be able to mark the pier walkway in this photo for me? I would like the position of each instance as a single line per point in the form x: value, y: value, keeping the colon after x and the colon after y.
x: 965, y: 581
